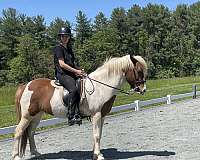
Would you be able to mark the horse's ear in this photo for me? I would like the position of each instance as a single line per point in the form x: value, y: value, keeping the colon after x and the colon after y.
x: 133, y: 60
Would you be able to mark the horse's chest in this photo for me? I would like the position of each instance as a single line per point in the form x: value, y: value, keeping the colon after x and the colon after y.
x: 84, y: 108
x: 57, y: 105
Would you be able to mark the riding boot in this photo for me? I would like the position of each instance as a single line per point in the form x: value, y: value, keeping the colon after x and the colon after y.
x: 71, y: 111
x: 66, y: 100
x: 74, y: 115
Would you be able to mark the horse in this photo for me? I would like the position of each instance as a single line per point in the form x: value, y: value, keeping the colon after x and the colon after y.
x: 100, y: 88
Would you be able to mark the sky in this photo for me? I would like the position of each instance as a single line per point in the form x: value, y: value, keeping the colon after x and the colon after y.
x: 68, y: 9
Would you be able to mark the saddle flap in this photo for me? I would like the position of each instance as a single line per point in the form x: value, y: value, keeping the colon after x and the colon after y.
x: 65, y: 92
x: 61, y: 89
x: 55, y: 84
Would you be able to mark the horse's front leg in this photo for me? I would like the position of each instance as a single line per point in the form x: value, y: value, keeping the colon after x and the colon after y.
x: 97, y: 131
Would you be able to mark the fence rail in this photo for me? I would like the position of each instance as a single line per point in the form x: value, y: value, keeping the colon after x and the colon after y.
x: 136, y: 106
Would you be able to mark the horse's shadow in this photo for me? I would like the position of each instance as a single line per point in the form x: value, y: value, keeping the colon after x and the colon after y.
x: 109, y: 154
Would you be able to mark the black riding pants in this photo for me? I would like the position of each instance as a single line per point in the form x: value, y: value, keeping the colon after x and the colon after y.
x: 69, y: 83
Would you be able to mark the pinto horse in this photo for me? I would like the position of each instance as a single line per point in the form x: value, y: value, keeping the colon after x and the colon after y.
x: 40, y: 96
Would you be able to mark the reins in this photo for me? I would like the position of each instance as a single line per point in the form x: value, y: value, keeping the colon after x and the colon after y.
x: 91, y: 79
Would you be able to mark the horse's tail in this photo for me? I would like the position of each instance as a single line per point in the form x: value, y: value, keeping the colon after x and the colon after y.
x: 23, y: 139
x: 18, y: 95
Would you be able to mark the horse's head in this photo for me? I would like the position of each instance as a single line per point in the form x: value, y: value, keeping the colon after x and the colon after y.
x: 136, y: 75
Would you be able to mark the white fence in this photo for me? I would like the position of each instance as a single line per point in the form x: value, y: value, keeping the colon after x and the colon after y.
x: 136, y: 106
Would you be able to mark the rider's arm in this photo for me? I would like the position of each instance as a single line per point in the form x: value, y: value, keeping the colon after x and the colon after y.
x: 68, y: 67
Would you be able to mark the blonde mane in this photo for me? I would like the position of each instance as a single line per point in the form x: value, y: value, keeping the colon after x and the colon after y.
x: 119, y: 64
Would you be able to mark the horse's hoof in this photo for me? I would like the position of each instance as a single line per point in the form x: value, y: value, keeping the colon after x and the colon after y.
x: 98, y: 156
x: 17, y: 158
x: 35, y: 154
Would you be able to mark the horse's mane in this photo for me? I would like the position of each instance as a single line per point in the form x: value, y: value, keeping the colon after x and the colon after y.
x: 119, y: 64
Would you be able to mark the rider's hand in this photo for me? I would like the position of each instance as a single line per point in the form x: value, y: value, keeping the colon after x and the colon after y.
x: 84, y: 74
x: 80, y: 73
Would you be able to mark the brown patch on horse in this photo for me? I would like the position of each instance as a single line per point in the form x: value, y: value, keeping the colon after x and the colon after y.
x: 18, y: 96
x: 135, y: 74
x: 131, y: 77
x: 42, y: 94
x: 107, y: 106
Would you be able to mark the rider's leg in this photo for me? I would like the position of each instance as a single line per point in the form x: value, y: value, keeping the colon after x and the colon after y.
x: 72, y: 100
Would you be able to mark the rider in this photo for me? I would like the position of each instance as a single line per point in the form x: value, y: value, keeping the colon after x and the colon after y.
x: 66, y: 72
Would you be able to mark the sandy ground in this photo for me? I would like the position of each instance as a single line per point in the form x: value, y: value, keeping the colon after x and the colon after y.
x: 168, y: 132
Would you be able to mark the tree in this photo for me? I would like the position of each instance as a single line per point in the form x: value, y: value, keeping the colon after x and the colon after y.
x: 181, y: 31
x: 134, y: 22
x: 118, y: 23
x: 30, y: 62
x: 100, y: 22
x: 155, y: 27
x: 10, y: 30
x: 83, y: 28
x: 95, y: 50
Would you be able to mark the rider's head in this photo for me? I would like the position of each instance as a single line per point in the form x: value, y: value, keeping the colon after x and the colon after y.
x: 64, y: 34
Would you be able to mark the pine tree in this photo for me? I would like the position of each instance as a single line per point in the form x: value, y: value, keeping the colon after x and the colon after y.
x: 100, y: 22
x: 83, y: 28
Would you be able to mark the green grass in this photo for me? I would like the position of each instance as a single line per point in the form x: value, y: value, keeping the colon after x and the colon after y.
x: 155, y: 89
x: 7, y: 95
x: 7, y: 115
x: 160, y: 88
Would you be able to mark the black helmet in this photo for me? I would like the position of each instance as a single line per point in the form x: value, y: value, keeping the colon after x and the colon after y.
x: 64, y: 31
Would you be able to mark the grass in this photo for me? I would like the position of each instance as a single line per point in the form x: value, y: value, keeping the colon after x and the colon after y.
x: 160, y: 88
x: 155, y: 89
x: 7, y: 95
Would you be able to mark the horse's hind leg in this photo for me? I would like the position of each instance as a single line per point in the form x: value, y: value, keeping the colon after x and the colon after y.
x: 23, y: 124
x: 20, y: 138
x: 31, y: 131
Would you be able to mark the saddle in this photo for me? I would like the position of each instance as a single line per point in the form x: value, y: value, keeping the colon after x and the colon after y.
x: 79, y: 85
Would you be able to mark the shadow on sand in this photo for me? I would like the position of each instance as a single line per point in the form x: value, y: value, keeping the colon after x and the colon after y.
x: 109, y: 154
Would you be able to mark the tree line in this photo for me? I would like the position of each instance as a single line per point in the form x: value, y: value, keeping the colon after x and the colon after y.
x: 168, y: 40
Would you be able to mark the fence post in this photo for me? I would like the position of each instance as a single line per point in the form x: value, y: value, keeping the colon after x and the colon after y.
x: 169, y: 99
x: 137, y: 108
x: 194, y: 90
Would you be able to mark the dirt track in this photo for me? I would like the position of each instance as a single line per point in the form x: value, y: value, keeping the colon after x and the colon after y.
x: 168, y: 132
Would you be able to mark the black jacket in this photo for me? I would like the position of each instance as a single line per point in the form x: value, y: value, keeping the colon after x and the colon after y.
x: 60, y: 52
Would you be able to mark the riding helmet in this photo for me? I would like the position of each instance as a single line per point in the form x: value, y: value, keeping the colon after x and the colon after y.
x: 64, y: 31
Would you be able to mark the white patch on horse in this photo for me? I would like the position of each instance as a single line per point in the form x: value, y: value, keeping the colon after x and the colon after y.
x: 25, y: 99
x: 57, y: 104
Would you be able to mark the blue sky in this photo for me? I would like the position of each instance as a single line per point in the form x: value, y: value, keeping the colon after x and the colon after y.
x: 68, y: 9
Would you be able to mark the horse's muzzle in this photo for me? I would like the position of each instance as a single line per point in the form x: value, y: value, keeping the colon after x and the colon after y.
x: 137, y: 90
x: 143, y: 92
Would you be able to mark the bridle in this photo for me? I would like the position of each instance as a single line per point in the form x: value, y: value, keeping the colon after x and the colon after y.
x: 138, y: 82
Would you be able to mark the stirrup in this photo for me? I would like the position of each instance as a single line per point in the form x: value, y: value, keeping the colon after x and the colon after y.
x: 57, y: 82
x: 75, y: 120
